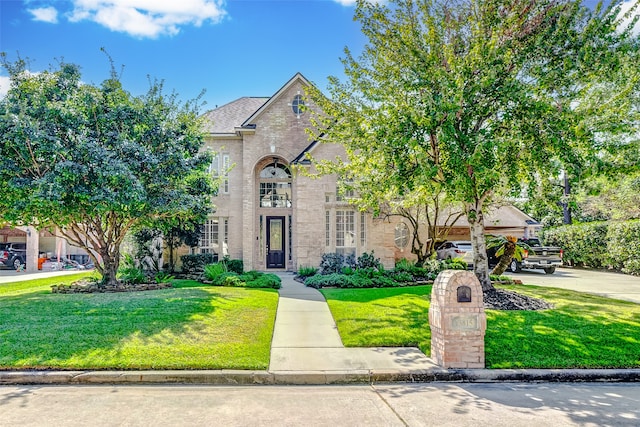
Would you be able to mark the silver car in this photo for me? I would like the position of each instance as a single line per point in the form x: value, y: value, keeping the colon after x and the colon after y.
x: 456, y: 249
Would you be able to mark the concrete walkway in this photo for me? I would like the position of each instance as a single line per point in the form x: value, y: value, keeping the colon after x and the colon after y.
x: 305, y: 338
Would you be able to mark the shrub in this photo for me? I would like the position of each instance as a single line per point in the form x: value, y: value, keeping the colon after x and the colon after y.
x: 213, y: 271
x: 404, y: 267
x: 195, y: 263
x: 369, y: 261
x: 132, y: 275
x: 305, y: 272
x: 163, y: 277
x: 623, y: 246
x: 582, y: 244
x: 331, y: 263
x: 400, y: 276
x: 454, y: 264
x: 368, y: 272
x: 254, y: 279
x: 230, y: 279
x: 235, y: 265
x: 337, y: 280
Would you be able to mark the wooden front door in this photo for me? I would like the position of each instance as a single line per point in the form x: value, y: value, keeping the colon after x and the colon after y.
x: 275, y: 242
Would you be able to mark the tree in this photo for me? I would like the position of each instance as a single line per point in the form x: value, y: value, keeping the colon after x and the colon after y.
x: 475, y: 96
x: 94, y: 161
x: 506, y: 248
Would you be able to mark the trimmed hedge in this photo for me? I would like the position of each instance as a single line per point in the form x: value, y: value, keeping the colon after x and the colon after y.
x: 613, y: 245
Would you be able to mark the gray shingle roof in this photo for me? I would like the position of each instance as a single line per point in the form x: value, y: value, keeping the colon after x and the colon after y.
x: 224, y: 119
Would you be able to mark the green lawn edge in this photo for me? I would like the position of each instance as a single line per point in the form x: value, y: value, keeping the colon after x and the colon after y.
x: 190, y: 326
x: 581, y: 331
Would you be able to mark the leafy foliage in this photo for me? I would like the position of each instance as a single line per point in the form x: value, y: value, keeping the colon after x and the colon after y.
x: 599, y: 244
x: 478, y: 98
x: 92, y: 162
x: 213, y: 271
x: 194, y: 263
x: 234, y: 265
x: 368, y: 260
x: 331, y: 263
x: 307, y: 271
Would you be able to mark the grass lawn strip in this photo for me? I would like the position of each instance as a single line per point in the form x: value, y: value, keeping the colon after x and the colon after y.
x: 189, y: 327
x: 582, y: 331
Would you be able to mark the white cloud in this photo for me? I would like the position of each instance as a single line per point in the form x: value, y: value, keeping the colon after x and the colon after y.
x: 148, y: 18
x: 5, y: 82
x: 45, y: 14
x: 625, y: 9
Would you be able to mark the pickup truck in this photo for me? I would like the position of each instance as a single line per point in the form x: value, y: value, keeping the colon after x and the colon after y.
x: 537, y: 256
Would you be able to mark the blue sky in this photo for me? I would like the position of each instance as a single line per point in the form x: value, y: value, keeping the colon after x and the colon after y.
x: 230, y: 48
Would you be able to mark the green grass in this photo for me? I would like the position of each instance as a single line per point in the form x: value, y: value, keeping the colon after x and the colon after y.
x: 384, y: 317
x: 582, y: 331
x: 188, y: 327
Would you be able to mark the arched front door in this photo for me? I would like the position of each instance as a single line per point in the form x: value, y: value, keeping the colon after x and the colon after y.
x: 275, y: 207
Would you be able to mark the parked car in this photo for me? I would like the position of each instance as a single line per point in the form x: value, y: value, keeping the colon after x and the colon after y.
x: 456, y: 249
x: 13, y: 255
x: 63, y: 264
x: 537, y: 256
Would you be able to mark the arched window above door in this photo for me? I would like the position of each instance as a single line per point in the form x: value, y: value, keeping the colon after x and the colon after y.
x: 275, y: 186
x: 275, y: 170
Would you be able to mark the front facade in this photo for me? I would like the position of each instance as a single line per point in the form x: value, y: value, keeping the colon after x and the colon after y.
x: 266, y: 212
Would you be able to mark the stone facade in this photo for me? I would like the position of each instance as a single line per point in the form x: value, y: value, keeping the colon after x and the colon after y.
x: 261, y: 136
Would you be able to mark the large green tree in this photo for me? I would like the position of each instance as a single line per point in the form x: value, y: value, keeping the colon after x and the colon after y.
x: 478, y: 96
x: 94, y: 161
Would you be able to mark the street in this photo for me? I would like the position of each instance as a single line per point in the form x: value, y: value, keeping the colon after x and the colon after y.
x: 433, y: 404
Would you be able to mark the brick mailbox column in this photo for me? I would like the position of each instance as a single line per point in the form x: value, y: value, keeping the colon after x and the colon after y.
x: 457, y: 320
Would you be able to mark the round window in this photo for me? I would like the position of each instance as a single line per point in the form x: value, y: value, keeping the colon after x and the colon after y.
x: 402, y: 235
x: 297, y: 105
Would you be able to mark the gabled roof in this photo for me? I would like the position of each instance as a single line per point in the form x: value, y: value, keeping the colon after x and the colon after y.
x: 226, y: 118
x: 292, y: 81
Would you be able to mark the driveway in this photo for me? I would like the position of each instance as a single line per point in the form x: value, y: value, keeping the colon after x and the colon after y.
x: 611, y: 285
x: 7, y: 276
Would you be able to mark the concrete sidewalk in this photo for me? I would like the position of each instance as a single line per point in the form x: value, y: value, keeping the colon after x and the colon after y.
x: 305, y: 338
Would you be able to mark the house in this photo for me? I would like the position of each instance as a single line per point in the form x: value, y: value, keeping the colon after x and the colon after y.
x: 269, y: 214
x: 272, y: 216
x: 503, y: 220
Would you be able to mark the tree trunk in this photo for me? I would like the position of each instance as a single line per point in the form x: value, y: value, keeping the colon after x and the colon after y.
x: 110, y: 265
x: 475, y: 217
x: 505, y: 259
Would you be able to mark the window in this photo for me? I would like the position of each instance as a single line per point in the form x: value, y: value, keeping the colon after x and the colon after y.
x: 401, y: 235
x: 297, y: 105
x: 327, y: 228
x: 363, y: 229
x: 219, y: 168
x: 344, y: 194
x: 215, y: 237
x: 345, y: 232
x: 275, y: 186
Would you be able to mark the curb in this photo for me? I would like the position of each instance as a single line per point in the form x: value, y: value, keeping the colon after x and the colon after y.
x: 239, y: 377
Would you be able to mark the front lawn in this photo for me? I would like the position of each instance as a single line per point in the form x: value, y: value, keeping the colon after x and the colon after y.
x: 192, y: 326
x: 582, y: 331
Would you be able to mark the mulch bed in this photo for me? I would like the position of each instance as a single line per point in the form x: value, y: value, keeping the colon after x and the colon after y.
x: 87, y: 287
x: 502, y: 299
